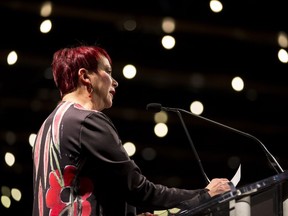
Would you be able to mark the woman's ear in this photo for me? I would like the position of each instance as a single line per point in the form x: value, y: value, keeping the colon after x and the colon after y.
x: 83, y: 75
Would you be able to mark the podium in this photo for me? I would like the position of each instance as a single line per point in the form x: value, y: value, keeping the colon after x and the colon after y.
x: 267, y: 197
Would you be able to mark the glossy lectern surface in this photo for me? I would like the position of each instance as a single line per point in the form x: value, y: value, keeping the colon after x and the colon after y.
x: 268, y: 197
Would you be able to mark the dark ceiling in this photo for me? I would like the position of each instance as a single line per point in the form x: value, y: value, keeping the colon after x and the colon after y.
x: 239, y: 41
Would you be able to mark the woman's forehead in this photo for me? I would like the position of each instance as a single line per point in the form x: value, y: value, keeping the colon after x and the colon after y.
x: 104, y: 62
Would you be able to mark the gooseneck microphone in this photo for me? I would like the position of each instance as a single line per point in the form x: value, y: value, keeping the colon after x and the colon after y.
x: 156, y: 107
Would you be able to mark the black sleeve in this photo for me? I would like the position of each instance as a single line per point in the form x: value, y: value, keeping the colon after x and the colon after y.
x: 99, y: 137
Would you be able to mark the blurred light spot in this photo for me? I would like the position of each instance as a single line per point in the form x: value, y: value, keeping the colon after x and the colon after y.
x: 251, y: 95
x: 196, y: 107
x: 168, y: 25
x: 283, y: 39
x: 10, y: 137
x: 45, y: 26
x: 174, y: 210
x: 129, y: 71
x: 6, y: 202
x: 130, y: 148
x: 46, y: 9
x: 16, y: 194
x: 197, y: 80
x: 149, y: 154
x: 216, y: 6
x: 48, y: 74
x: 130, y: 25
x: 129, y: 114
x: 237, y: 84
x: 12, y: 58
x: 32, y: 138
x: 9, y: 159
x: 161, y: 129
x: 161, y: 117
x: 44, y: 93
x: 36, y: 105
x: 168, y: 42
x: 283, y: 56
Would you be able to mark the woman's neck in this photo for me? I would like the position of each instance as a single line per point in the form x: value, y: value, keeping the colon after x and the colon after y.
x: 79, y: 98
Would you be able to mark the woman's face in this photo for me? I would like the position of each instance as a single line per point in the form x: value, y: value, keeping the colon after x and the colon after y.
x: 104, y: 85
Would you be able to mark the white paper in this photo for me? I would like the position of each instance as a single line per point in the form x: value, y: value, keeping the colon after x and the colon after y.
x: 236, y: 178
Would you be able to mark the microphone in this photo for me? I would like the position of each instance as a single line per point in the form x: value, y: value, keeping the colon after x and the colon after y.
x: 155, y: 107
x: 273, y: 162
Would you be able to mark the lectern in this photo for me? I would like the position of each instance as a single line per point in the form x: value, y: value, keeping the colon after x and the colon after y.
x: 267, y: 197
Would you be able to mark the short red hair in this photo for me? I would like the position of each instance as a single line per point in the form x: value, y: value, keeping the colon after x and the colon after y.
x: 67, y: 62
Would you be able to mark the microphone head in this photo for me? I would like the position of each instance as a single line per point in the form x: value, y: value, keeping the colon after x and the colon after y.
x: 155, y: 107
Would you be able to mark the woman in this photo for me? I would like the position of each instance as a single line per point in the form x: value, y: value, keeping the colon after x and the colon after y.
x: 80, y: 165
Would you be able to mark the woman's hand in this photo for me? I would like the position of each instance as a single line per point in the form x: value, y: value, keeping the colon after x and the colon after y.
x: 218, y: 186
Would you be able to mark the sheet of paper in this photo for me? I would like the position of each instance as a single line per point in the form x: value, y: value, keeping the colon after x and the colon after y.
x: 236, y: 178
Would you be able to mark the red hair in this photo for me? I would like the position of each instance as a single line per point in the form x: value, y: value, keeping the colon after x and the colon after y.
x: 67, y: 62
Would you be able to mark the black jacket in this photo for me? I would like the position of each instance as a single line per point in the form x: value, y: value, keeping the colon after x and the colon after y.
x: 81, y: 168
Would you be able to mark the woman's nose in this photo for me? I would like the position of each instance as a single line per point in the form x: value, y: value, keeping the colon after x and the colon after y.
x: 115, y: 83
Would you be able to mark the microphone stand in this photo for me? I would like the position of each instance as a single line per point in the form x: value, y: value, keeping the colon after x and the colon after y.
x: 192, y: 145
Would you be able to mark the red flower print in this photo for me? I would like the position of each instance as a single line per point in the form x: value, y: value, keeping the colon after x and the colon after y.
x: 60, y: 197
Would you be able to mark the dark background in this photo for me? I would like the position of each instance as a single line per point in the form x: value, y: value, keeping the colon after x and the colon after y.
x: 239, y: 41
